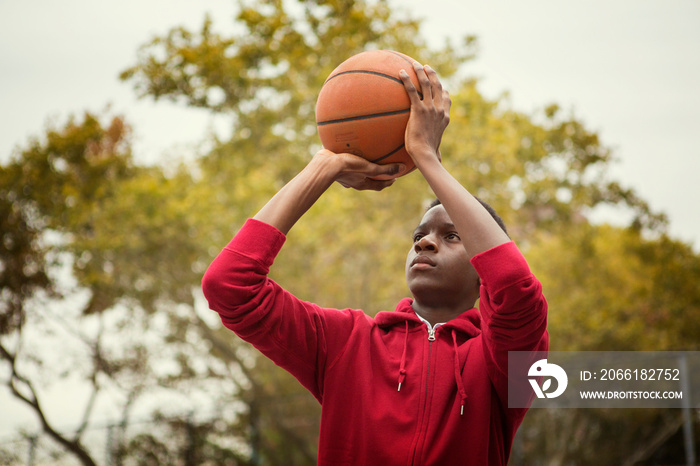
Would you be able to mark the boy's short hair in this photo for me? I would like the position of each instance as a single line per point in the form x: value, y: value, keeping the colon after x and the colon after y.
x: 488, y: 208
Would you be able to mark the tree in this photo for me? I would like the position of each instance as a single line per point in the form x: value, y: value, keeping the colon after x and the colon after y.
x: 93, y: 246
x: 47, y: 189
x: 613, y: 289
x: 621, y: 290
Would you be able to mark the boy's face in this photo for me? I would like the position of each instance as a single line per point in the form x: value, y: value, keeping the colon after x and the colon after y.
x: 437, y: 266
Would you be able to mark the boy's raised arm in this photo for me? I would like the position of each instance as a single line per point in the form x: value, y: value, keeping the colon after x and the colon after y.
x: 289, y: 331
x: 297, y: 196
x: 512, y: 306
x: 429, y: 118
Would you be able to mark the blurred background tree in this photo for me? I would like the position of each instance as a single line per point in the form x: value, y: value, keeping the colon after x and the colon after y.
x: 137, y: 239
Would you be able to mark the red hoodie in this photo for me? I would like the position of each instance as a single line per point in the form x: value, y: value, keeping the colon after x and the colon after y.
x: 451, y: 408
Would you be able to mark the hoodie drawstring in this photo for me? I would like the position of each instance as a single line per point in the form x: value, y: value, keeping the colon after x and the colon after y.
x: 457, y: 371
x: 402, y: 366
x: 458, y: 374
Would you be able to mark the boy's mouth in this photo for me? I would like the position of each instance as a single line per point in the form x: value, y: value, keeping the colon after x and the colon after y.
x: 422, y: 262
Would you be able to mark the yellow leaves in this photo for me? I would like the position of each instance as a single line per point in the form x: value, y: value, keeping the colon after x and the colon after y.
x: 612, y: 289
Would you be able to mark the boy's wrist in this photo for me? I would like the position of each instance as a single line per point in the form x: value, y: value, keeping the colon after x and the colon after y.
x: 426, y: 158
x: 325, y: 165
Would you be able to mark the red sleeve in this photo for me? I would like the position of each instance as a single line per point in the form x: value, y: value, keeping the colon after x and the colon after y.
x: 513, y: 310
x: 291, y: 332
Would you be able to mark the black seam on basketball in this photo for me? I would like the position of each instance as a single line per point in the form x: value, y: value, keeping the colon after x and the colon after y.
x: 363, y: 117
x: 410, y: 63
x: 376, y: 73
x: 401, y: 57
x: 389, y: 154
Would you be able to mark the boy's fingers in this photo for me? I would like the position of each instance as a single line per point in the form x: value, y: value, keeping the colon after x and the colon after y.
x: 364, y: 183
x: 361, y: 174
x: 435, y: 84
x: 357, y: 164
x: 446, y: 99
x: 413, y: 93
x: 390, y: 169
x: 354, y: 163
x: 423, y: 80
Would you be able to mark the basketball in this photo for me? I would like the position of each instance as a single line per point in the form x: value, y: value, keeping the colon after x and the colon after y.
x: 363, y: 107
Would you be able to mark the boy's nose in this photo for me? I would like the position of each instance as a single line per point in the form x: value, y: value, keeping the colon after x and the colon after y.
x: 426, y: 243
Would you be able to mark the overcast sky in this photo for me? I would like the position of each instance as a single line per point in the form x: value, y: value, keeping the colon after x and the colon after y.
x: 629, y: 68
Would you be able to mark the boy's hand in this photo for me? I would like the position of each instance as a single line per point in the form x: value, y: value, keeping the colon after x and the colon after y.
x: 355, y: 172
x: 430, y: 114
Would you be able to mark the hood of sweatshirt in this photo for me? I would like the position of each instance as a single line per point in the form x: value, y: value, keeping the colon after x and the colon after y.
x: 463, y: 327
x: 467, y: 323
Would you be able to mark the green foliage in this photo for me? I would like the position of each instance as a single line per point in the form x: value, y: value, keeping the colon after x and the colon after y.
x: 278, y: 60
x: 76, y: 166
x: 61, y: 183
x: 22, y: 263
x: 621, y: 291
x: 538, y: 176
x: 119, y: 221
x: 54, y: 185
x: 142, y: 241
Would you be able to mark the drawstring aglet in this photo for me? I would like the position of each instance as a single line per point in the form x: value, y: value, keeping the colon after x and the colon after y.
x: 402, y: 366
x: 461, y: 411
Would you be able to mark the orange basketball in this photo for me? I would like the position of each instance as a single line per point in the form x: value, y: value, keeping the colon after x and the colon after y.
x: 363, y: 107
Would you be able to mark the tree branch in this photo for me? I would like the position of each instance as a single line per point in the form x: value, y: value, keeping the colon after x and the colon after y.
x: 259, y: 392
x: 648, y: 448
x: 73, y: 446
x: 225, y: 349
x: 98, y: 364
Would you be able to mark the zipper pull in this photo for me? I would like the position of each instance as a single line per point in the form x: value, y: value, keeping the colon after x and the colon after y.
x: 431, y: 334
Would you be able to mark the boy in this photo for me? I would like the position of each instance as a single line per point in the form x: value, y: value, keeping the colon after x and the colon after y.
x: 427, y: 383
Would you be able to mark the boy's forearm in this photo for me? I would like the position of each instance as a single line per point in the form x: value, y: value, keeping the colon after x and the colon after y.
x: 297, y: 196
x: 478, y: 230
x: 429, y: 117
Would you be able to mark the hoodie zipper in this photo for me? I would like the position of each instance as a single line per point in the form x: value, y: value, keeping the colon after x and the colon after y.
x: 421, y: 440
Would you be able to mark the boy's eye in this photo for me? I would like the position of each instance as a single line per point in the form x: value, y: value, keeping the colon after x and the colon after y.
x: 454, y: 236
x: 417, y: 237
